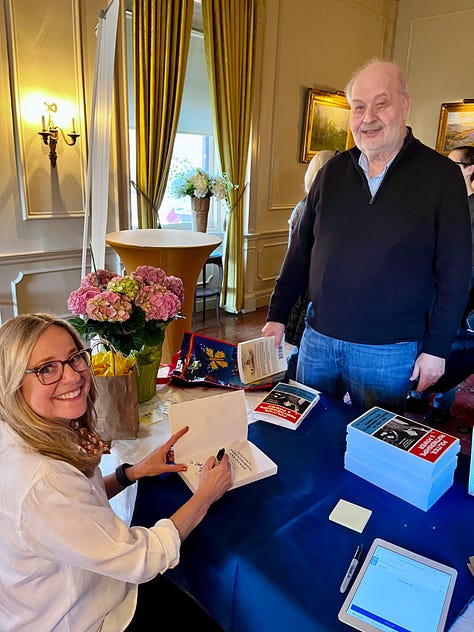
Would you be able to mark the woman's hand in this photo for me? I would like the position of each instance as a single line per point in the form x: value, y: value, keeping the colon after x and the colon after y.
x: 159, y: 461
x: 216, y: 479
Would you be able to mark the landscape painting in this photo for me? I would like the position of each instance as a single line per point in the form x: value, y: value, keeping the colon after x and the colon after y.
x: 456, y: 126
x: 326, y: 123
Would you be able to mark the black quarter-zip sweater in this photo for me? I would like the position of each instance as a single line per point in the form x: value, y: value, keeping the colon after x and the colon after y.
x: 384, y: 269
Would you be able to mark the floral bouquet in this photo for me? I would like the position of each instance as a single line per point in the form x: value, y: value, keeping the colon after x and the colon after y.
x: 198, y: 183
x: 130, y: 311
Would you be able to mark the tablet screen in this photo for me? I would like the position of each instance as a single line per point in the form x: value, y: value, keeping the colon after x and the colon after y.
x: 398, y: 590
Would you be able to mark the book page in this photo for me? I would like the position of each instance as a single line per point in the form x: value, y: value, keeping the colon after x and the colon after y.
x: 259, y: 358
x: 248, y: 464
x: 214, y: 422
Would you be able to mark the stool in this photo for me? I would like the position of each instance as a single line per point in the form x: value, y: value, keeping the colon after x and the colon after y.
x: 205, y: 292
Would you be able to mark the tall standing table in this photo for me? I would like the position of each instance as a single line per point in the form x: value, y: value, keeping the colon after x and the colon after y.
x: 181, y: 253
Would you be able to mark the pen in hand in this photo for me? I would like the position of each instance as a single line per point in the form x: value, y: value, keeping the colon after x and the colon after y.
x: 351, y: 570
x: 220, y: 454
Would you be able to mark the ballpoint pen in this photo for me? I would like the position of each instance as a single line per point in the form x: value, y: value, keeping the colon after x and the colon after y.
x: 351, y: 569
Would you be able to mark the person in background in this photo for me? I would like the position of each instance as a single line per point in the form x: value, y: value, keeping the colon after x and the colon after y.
x: 67, y: 561
x: 297, y: 318
x: 386, y: 262
x: 460, y: 362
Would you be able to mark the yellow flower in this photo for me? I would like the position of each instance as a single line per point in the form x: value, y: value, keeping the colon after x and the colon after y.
x: 216, y: 361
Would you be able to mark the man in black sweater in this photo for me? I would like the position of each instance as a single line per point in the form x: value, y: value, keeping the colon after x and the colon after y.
x: 386, y: 260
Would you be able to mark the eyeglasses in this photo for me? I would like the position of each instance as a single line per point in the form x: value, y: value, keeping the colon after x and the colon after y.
x: 465, y: 164
x: 52, y: 372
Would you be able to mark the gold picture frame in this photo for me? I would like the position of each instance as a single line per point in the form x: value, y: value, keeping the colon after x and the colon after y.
x: 326, y: 123
x: 456, y: 126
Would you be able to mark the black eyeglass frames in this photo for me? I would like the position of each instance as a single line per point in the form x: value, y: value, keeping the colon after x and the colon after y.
x: 51, y: 372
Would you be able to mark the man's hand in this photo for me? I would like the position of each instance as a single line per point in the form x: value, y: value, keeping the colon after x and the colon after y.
x: 274, y: 329
x: 427, y: 370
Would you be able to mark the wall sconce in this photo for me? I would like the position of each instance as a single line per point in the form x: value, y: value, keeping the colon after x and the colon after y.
x: 50, y: 133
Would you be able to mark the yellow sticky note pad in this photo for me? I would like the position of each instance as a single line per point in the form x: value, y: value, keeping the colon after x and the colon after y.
x: 349, y: 515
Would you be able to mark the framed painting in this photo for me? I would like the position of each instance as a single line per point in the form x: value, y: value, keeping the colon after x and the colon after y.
x: 326, y: 124
x: 456, y: 126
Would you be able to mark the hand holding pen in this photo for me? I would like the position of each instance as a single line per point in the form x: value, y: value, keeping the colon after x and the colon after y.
x: 351, y: 570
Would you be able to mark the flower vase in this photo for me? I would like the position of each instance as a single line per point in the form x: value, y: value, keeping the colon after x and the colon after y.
x: 200, y: 213
x: 148, y: 365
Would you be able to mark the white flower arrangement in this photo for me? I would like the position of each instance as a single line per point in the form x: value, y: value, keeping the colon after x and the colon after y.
x: 198, y: 183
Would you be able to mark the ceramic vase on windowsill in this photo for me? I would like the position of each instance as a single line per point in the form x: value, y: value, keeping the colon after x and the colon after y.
x: 200, y: 213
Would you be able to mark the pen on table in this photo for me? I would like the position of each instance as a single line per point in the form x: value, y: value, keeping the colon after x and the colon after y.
x: 220, y: 454
x: 351, y: 569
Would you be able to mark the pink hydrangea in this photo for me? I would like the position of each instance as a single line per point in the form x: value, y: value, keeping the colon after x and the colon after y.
x: 157, y: 302
x: 175, y: 285
x: 149, y: 275
x: 77, y: 300
x: 108, y: 306
x: 102, y: 276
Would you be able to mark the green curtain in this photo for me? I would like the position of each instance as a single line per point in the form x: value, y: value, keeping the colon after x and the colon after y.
x: 161, y: 35
x: 229, y: 42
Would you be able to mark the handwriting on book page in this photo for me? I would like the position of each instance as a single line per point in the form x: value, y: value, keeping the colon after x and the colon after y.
x: 239, y: 463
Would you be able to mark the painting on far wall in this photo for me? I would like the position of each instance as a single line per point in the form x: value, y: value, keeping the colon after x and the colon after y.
x: 326, y: 123
x: 456, y: 126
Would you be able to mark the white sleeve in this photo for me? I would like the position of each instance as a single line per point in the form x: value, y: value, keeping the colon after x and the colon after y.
x: 66, y: 516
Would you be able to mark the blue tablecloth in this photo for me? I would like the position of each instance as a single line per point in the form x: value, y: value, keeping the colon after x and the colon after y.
x: 266, y: 557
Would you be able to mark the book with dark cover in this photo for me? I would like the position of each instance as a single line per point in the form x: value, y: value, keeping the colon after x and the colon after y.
x: 286, y: 404
x: 208, y: 361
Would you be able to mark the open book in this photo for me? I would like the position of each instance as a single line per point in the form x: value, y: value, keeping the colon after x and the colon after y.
x: 259, y: 358
x: 286, y: 404
x: 217, y: 422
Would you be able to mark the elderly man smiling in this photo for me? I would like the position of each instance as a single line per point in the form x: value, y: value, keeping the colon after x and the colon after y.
x: 385, y: 255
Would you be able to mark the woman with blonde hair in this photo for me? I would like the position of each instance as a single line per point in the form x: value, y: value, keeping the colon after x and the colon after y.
x: 67, y: 561
x: 296, y: 321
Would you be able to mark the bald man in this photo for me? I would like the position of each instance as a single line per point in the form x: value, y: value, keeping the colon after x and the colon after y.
x: 384, y: 247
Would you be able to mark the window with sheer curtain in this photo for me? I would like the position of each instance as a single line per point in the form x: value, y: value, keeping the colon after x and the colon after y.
x: 194, y: 144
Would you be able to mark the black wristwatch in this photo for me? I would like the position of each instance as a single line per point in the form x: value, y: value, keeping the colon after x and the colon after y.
x: 121, y: 476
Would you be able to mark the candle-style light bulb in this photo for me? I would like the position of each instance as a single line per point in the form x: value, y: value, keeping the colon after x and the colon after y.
x: 43, y: 123
x: 73, y: 126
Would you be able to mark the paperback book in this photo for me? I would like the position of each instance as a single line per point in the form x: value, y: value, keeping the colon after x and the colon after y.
x: 421, y: 493
x: 286, y: 405
x: 215, y: 423
x: 393, y: 439
x: 258, y: 359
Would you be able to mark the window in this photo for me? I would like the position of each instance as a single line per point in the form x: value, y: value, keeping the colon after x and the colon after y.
x: 194, y: 143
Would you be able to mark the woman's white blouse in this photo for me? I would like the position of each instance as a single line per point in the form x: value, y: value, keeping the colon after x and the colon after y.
x: 67, y: 562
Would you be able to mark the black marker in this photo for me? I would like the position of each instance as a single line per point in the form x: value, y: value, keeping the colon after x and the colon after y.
x: 351, y: 569
x: 220, y: 454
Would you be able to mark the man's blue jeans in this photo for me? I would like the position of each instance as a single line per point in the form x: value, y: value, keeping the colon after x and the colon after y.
x: 373, y: 375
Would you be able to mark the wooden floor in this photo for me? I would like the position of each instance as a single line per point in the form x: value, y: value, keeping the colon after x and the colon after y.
x: 234, y: 328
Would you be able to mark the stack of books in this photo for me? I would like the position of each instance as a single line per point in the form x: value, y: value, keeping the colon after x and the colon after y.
x: 403, y: 457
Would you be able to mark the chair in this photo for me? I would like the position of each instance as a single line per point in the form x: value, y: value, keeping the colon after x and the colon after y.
x: 204, y: 292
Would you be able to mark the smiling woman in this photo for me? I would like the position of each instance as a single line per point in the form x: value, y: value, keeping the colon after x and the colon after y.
x: 54, y: 499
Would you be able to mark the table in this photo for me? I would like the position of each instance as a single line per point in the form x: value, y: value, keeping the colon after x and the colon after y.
x: 181, y: 253
x: 266, y: 557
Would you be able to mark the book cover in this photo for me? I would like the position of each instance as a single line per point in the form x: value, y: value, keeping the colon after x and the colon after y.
x: 398, y: 438
x: 215, y: 422
x: 205, y: 360
x: 286, y: 404
x: 258, y: 359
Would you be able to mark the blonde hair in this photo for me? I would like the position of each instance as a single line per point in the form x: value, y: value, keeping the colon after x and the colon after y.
x: 18, y: 337
x: 317, y: 161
